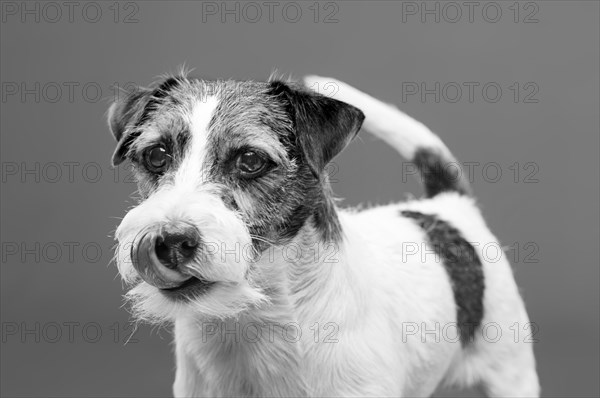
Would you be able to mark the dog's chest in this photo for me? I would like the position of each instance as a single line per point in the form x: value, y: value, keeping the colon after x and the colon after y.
x: 243, y: 358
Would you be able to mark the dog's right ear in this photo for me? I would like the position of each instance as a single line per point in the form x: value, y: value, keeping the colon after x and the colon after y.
x: 123, y: 114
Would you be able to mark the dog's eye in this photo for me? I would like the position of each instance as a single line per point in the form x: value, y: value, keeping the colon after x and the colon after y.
x: 250, y: 164
x: 157, y: 159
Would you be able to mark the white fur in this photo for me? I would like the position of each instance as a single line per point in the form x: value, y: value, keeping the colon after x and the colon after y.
x: 367, y: 291
x: 189, y: 173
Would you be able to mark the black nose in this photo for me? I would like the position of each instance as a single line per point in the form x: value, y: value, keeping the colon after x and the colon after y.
x: 176, y: 245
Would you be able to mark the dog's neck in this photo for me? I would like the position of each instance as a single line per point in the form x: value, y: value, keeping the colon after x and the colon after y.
x: 325, y: 218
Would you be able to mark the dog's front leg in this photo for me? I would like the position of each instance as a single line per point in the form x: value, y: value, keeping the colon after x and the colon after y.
x: 188, y: 381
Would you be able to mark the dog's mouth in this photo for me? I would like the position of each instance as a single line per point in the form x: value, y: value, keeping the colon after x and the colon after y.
x: 191, y: 288
x: 178, y: 281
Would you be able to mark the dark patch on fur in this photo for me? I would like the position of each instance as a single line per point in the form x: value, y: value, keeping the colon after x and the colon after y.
x: 124, y: 113
x: 166, y: 86
x: 437, y: 173
x: 463, y: 267
x: 156, y: 98
x: 182, y: 140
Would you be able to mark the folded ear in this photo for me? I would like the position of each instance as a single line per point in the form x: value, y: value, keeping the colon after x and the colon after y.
x: 323, y: 125
x: 122, y: 116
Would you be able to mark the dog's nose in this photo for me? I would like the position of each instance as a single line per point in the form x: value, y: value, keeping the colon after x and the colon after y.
x: 160, y: 254
x: 177, y: 247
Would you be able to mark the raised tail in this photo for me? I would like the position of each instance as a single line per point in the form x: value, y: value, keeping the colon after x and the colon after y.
x: 439, y: 171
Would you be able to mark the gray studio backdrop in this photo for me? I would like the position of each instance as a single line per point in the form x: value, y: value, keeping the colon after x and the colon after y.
x: 511, y: 87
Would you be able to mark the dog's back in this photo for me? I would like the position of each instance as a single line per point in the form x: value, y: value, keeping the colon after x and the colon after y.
x: 433, y: 270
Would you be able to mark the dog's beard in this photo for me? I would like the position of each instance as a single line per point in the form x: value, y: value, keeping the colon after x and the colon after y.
x: 225, y: 258
x: 222, y: 301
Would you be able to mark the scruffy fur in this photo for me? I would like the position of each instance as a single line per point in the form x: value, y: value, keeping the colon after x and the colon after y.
x: 302, y: 298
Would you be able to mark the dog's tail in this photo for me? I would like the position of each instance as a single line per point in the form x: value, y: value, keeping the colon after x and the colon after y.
x: 438, y: 169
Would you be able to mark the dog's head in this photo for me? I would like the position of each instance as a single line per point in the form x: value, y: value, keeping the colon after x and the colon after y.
x: 225, y: 170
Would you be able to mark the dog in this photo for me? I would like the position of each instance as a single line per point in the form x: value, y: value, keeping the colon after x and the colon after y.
x: 272, y: 288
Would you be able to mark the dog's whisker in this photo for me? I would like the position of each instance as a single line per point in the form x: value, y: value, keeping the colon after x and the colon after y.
x: 259, y: 238
x: 135, y: 328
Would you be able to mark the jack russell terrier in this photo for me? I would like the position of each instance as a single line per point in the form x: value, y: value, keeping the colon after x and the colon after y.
x: 273, y: 289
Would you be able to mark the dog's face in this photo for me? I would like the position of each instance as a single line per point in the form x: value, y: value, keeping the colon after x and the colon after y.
x: 225, y: 170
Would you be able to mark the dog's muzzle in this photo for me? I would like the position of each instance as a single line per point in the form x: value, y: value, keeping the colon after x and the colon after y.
x: 161, y: 253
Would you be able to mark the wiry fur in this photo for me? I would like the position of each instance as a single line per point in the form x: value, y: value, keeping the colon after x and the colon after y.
x: 310, y: 266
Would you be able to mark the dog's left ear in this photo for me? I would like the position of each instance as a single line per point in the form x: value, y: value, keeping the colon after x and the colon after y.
x: 122, y: 114
x: 323, y: 125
